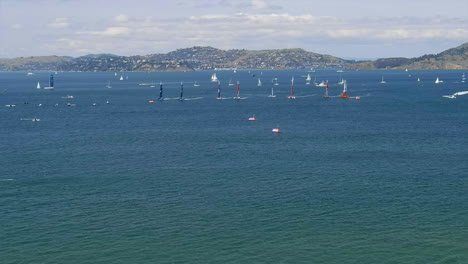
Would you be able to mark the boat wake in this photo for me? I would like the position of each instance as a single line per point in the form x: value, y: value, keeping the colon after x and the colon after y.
x: 7, y: 179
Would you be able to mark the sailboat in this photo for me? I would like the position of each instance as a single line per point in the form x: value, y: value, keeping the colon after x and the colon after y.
x: 382, y: 81
x: 219, y: 91
x: 308, y: 79
x: 259, y: 83
x: 121, y: 77
x: 419, y: 79
x: 463, y: 78
x: 196, y: 84
x: 341, y: 82
x: 291, y: 94
x: 108, y: 84
x: 214, y: 78
x: 276, y: 81
x: 272, y: 93
x: 51, y: 83
x: 160, y: 92
x: 344, y: 94
x: 38, y: 85
x: 326, y: 92
x: 252, y: 118
x: 322, y: 84
x: 237, y: 91
x: 115, y: 74
x: 181, y: 98
x: 230, y: 82
x: 453, y: 96
x: 438, y: 81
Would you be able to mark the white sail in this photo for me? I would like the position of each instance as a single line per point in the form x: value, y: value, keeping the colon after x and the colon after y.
x: 419, y: 79
x: 308, y: 79
x: 382, y: 81
x: 259, y: 82
x: 438, y: 81
x: 121, y: 77
x: 38, y: 85
x: 214, y: 78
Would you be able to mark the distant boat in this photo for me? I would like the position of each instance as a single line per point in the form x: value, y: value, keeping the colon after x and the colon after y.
x: 276, y: 129
x: 34, y: 119
x: 308, y: 79
x: 311, y: 70
x: 341, y: 82
x: 235, y: 70
x: 219, y: 91
x: 214, y: 78
x: 344, y: 94
x: 237, y: 91
x: 196, y: 84
x: 30, y: 73
x: 115, y: 74
x: 276, y: 81
x: 453, y: 96
x: 121, y: 77
x: 406, y: 69
x: 419, y: 79
x: 438, y: 81
x: 339, y: 71
x: 272, y: 93
x: 326, y: 92
x: 51, y: 83
x: 321, y: 84
x: 230, y: 82
x: 259, y: 83
x: 181, y: 98
x: 108, y: 84
x: 463, y: 78
x: 382, y: 81
x: 160, y: 92
x: 38, y: 85
x: 252, y: 118
x: 291, y: 92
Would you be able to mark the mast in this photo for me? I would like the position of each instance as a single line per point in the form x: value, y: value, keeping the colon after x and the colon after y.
x: 344, y: 94
x: 237, y: 90
x: 291, y: 93
x: 160, y: 91
x: 326, y: 91
x: 219, y: 90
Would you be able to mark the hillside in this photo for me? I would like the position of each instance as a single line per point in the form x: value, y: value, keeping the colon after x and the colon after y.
x: 455, y: 58
x: 195, y: 58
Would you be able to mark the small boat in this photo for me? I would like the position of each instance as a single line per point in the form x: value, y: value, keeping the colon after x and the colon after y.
x: 214, y: 78
x: 181, y: 97
x: 151, y: 101
x: 291, y: 92
x: 68, y: 97
x: 322, y: 84
x: 275, y: 130
x: 463, y: 78
x: 419, y: 79
x: 51, y: 83
x: 406, y: 69
x: 237, y: 91
x: 160, y: 92
x: 344, y: 94
x: 115, y: 74
x: 30, y: 73
x: 219, y: 91
x: 453, y: 96
x: 196, y: 84
x: 38, y: 85
x: 31, y: 119
x: 259, y: 83
x: 326, y: 92
x: 382, y: 81
x: 438, y: 81
x: 272, y: 94
x: 252, y: 118
x: 108, y: 84
x: 308, y: 79
x: 121, y: 77
x: 10, y: 105
x: 339, y: 71
x: 311, y: 70
x: 107, y: 102
x: 276, y: 81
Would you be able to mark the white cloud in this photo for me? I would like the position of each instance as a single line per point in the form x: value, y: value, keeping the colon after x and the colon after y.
x: 258, y: 4
x: 16, y: 26
x: 110, y: 32
x: 121, y: 18
x: 59, y: 23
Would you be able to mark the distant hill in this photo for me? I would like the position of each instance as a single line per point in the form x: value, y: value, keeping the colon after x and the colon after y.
x: 189, y: 59
x: 455, y: 58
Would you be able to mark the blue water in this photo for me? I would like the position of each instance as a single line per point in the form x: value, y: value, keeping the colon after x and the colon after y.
x: 383, y: 179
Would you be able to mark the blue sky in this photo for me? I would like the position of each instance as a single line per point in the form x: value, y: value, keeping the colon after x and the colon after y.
x: 343, y: 28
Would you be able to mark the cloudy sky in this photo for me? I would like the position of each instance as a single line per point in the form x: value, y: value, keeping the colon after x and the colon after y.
x: 344, y: 28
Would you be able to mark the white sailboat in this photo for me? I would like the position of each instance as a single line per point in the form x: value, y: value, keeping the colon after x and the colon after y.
x: 463, y: 78
x: 438, y: 81
x: 108, y: 84
x: 272, y: 95
x: 196, y: 84
x: 341, y: 82
x: 308, y: 79
x: 322, y: 84
x: 214, y: 78
x: 230, y: 82
x: 382, y: 81
x: 259, y: 83
x: 38, y: 85
x: 121, y: 77
x: 419, y: 79
x: 115, y: 74
x: 276, y: 81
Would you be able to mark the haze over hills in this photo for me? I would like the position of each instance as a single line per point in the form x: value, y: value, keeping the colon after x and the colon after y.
x: 454, y: 58
x: 206, y: 58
